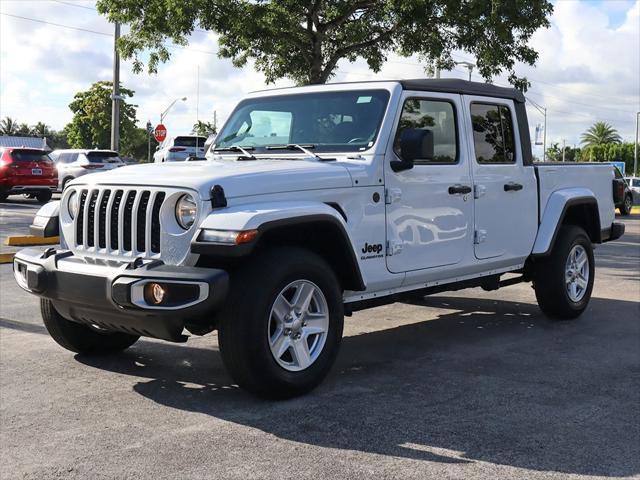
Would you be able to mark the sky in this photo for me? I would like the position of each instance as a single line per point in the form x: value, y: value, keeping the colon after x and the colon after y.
x: 588, y: 69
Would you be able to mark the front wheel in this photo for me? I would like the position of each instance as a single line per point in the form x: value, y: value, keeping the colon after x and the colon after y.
x: 625, y: 208
x: 81, y: 338
x: 564, y: 280
x: 283, y: 326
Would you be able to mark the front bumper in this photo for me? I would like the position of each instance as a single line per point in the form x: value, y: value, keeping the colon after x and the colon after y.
x: 111, y: 294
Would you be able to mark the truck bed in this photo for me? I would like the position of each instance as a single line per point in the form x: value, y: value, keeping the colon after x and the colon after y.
x: 596, y: 178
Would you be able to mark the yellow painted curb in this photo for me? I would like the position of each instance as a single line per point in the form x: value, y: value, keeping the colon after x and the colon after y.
x: 24, y: 240
x: 635, y: 209
x: 6, y: 257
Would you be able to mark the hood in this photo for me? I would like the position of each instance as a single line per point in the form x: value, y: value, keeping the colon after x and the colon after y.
x: 238, y: 178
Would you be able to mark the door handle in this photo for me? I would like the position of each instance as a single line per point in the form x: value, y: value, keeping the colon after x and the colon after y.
x: 512, y: 187
x: 457, y: 189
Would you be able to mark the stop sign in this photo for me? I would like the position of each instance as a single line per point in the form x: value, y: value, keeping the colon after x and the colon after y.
x: 160, y: 133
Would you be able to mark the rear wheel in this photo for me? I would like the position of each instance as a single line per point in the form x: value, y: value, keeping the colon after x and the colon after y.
x: 625, y: 208
x: 81, y: 338
x: 564, y: 280
x: 284, y: 340
x: 43, y: 196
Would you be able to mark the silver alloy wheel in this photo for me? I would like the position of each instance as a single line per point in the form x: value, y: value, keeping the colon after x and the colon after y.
x: 298, y: 325
x: 576, y: 273
x: 627, y: 203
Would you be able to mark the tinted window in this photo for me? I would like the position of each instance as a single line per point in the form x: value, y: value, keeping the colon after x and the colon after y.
x: 635, y: 182
x: 103, y: 157
x: 493, y: 138
x: 331, y: 121
x: 30, y: 156
x: 188, y: 141
x: 437, y: 116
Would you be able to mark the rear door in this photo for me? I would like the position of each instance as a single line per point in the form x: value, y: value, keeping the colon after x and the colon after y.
x: 505, y: 190
x: 429, y: 207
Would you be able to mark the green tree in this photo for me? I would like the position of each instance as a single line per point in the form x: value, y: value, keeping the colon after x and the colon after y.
x: 8, y: 126
x: 23, y: 130
x: 203, y: 128
x: 40, y: 129
x: 91, y: 123
x: 135, y: 145
x: 305, y: 39
x: 600, y: 133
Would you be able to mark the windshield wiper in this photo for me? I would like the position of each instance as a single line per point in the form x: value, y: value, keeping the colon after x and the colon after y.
x: 295, y: 146
x: 237, y: 148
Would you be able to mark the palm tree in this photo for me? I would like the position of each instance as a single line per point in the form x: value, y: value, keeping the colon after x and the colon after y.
x: 600, y: 133
x: 40, y: 129
x: 8, y: 126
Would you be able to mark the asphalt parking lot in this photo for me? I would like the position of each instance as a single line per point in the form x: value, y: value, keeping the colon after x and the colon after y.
x: 467, y: 385
x: 15, y: 216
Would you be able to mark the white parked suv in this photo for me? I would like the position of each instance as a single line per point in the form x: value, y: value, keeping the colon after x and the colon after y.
x: 73, y: 163
x: 180, y: 148
x: 634, y: 186
x: 316, y: 202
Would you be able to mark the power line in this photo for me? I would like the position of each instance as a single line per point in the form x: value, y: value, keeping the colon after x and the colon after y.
x: 57, y: 24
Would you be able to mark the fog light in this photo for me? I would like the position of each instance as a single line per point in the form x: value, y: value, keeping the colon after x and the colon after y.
x: 154, y: 293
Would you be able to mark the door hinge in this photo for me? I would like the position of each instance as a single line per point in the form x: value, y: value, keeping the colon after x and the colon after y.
x: 392, y: 195
x: 479, y: 190
x: 393, y: 248
x: 479, y: 236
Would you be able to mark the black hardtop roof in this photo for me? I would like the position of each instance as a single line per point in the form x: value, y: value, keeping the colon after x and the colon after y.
x: 463, y: 87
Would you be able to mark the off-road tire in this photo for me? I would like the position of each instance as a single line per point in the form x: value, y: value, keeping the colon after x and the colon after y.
x: 44, y: 196
x: 80, y: 338
x: 243, y: 330
x: 549, y: 276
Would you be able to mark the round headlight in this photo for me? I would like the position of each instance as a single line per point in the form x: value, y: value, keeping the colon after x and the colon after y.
x: 73, y: 204
x: 186, y: 211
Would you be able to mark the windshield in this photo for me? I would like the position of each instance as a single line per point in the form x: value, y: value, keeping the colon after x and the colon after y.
x: 30, y: 156
x: 103, y: 157
x: 327, y: 121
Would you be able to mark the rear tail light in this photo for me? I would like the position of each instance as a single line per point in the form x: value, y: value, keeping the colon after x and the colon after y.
x: 92, y: 167
x: 177, y: 149
x: 6, y: 160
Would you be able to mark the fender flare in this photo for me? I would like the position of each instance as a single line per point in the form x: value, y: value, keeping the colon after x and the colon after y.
x: 269, y: 216
x: 555, y: 211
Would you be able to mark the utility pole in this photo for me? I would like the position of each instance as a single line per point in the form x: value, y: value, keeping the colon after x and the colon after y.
x: 635, y: 148
x: 115, y: 96
x: 563, y: 149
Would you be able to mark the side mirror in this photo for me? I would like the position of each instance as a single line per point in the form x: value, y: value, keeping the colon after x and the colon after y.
x: 415, y: 144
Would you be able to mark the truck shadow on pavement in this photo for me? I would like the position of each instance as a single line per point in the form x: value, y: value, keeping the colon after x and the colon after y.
x: 486, y: 381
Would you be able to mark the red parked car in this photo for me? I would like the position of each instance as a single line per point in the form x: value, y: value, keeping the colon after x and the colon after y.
x: 27, y: 171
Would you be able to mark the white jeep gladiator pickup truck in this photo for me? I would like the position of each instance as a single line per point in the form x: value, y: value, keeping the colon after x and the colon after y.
x: 316, y: 202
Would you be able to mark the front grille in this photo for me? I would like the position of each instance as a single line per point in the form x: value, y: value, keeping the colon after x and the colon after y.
x: 119, y: 221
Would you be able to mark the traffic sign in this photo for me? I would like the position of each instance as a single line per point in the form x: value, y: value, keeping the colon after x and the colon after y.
x: 160, y: 133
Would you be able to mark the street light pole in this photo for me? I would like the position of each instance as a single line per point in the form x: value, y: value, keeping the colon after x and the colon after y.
x: 115, y: 96
x: 164, y: 114
x: 542, y: 110
x: 469, y: 66
x: 149, y: 129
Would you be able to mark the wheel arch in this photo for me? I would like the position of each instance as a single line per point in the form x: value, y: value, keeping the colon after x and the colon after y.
x: 563, y: 208
x: 319, y: 227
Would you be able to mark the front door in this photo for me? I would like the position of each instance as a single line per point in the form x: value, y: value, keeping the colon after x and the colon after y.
x: 506, y: 198
x: 429, y: 207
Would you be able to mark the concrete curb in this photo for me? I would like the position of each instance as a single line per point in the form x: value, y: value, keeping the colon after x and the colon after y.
x: 26, y: 240
x: 6, y: 257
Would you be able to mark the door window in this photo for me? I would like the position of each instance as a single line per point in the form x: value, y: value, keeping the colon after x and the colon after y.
x: 493, y: 138
x: 437, y: 116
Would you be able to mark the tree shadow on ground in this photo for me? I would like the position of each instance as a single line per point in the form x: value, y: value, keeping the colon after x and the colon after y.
x: 485, y: 381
